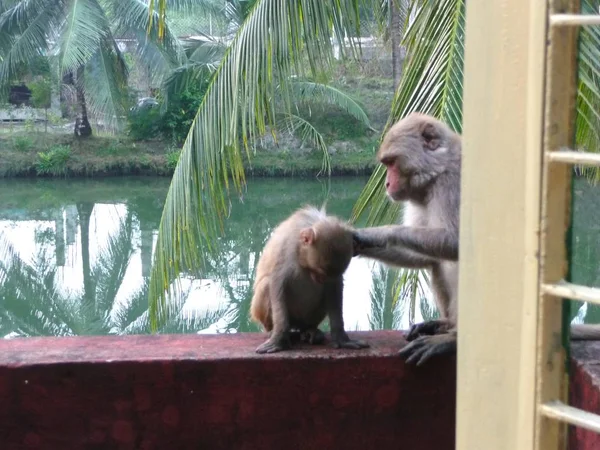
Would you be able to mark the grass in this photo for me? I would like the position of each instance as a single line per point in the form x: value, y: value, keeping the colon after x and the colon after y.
x: 31, y: 152
x: 54, y: 161
x: 53, y: 155
x: 358, y: 159
x: 64, y: 155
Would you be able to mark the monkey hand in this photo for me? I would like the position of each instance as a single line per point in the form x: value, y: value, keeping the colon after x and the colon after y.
x: 342, y: 340
x: 428, y: 328
x: 423, y: 348
x: 275, y: 344
x: 361, y: 241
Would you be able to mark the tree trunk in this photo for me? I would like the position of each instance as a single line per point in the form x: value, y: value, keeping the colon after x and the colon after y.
x: 84, y: 211
x: 396, y: 36
x: 82, y: 124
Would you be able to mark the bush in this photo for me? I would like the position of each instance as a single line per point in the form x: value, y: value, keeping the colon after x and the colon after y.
x: 181, y: 112
x: 147, y: 122
x: 173, y: 158
x: 54, y: 161
x: 22, y: 143
x: 144, y: 123
x: 41, y: 93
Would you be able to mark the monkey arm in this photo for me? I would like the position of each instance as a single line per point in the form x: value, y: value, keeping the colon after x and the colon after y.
x: 371, y: 243
x: 280, y: 339
x: 398, y: 256
x: 431, y: 242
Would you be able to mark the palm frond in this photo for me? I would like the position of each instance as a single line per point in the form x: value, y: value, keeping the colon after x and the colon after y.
x: 205, y: 49
x: 310, y: 91
x: 307, y: 132
x: 111, y: 265
x: 588, y: 99
x: 24, y: 30
x: 133, y: 17
x: 105, y: 84
x: 132, y: 314
x: 84, y: 30
x: 29, y: 298
x: 431, y: 84
x: 214, y: 7
x: 184, y: 76
x: 237, y: 107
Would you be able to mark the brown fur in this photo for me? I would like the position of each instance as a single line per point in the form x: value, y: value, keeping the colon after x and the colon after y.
x: 299, y: 280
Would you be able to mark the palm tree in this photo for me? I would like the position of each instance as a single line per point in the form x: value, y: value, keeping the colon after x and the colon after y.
x: 32, y: 304
x: 280, y: 38
x: 79, y: 37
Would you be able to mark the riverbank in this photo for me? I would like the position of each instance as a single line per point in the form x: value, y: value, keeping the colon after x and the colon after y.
x: 53, y: 155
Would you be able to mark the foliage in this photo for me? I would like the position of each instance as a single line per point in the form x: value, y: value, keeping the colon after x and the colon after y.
x: 174, y: 123
x: 54, y: 161
x: 144, y: 123
x: 22, y: 143
x: 242, y: 90
x: 173, y: 159
x: 587, y: 125
x: 41, y: 92
x: 112, y: 149
x: 267, y: 50
x: 80, y: 34
x: 431, y: 84
x: 180, y: 112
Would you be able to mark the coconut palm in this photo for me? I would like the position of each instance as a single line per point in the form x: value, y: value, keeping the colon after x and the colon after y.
x: 79, y: 37
x: 281, y: 38
x: 32, y: 304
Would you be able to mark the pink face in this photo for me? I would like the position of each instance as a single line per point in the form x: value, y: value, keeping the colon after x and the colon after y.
x: 395, y: 182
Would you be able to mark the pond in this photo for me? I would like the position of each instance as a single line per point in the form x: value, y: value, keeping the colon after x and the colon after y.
x: 83, y: 250
x: 79, y: 258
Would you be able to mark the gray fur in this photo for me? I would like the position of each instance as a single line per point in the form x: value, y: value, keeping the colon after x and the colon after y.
x: 428, y: 154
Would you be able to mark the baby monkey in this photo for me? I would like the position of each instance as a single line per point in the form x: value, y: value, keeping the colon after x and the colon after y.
x: 299, y: 281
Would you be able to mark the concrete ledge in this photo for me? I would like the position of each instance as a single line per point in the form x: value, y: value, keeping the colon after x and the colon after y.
x: 584, y: 391
x: 215, y: 392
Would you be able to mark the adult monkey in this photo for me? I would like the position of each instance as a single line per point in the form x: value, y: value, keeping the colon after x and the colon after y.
x: 422, y: 157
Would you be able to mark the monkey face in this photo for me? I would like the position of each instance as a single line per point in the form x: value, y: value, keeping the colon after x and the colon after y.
x: 414, y: 151
x: 396, y: 184
x: 326, y: 250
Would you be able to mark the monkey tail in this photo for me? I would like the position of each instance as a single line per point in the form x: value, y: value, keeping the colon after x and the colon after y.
x: 586, y: 332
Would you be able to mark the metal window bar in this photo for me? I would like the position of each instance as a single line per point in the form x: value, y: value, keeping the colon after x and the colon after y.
x: 553, y: 413
x: 576, y: 20
x: 573, y: 157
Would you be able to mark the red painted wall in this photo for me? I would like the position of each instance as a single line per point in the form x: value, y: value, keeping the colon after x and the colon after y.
x: 584, y: 392
x: 214, y: 392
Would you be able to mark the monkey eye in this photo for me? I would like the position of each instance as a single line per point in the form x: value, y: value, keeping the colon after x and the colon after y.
x: 387, y: 161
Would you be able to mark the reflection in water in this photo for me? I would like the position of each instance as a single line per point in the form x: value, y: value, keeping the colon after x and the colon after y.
x: 76, y: 257
x: 585, y: 247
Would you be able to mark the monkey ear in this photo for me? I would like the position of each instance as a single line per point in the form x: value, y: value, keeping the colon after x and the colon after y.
x: 431, y: 136
x: 308, y: 236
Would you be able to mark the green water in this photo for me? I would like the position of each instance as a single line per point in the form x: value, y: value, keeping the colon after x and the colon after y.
x: 585, y: 247
x: 84, y: 252
x: 80, y: 258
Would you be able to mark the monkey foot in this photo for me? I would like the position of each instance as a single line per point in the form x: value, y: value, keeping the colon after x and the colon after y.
x: 424, y: 347
x: 343, y: 341
x: 429, y: 328
x: 273, y: 345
